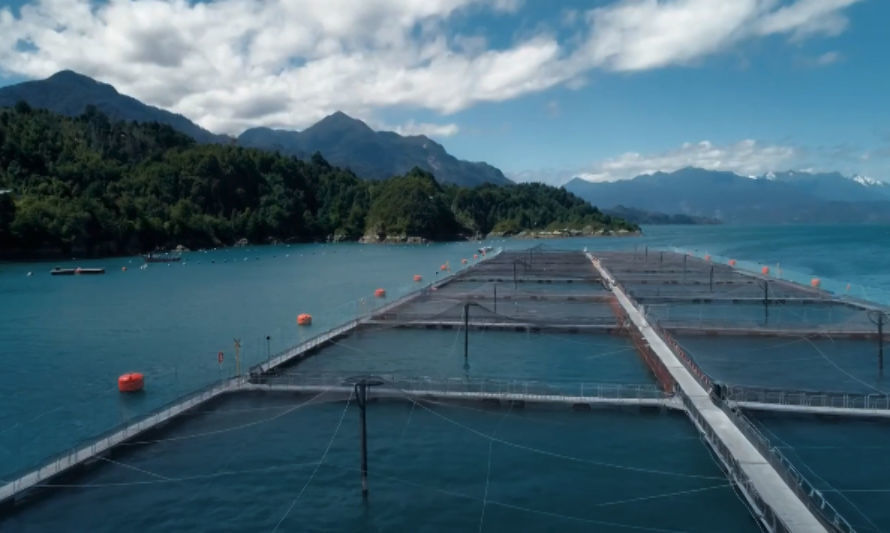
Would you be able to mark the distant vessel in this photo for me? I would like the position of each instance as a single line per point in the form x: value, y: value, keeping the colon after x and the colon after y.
x: 75, y: 271
x: 163, y: 257
x: 485, y: 249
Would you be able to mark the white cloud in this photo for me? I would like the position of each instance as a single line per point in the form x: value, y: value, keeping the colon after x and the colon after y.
x: 422, y: 128
x: 747, y: 157
x: 232, y: 64
x: 645, y: 34
x: 829, y: 58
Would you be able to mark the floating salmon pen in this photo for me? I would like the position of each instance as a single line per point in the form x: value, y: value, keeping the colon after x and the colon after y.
x: 131, y: 382
x: 559, y: 353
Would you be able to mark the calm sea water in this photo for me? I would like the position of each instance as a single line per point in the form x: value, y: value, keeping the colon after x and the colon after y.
x: 64, y: 340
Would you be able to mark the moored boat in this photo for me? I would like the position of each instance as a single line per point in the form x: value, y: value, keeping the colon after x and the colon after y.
x: 75, y: 271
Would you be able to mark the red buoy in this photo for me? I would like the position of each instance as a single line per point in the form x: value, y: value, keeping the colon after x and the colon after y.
x: 304, y: 319
x: 463, y: 261
x: 132, y: 382
x: 732, y: 262
x: 380, y: 293
x: 443, y: 268
x: 475, y: 256
x: 765, y: 271
x: 815, y: 283
x: 418, y: 277
x: 707, y: 258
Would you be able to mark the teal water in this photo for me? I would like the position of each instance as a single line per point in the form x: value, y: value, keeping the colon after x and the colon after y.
x: 273, y: 460
x: 846, y: 459
x: 562, y: 361
x: 64, y: 340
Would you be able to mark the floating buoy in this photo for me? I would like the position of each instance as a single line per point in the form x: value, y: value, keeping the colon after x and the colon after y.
x: 28, y: 274
x: 815, y: 283
x: 304, y: 319
x: 707, y: 258
x: 132, y: 382
x: 380, y: 293
x: 77, y: 271
x: 848, y: 287
x: 443, y: 268
x: 475, y: 256
x: 463, y: 261
x: 765, y: 271
x: 123, y: 269
x: 732, y: 262
x: 418, y: 277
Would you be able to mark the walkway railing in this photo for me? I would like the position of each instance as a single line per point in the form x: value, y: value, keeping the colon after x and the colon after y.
x: 841, y: 400
x: 808, y: 493
x: 734, y: 469
x: 476, y: 385
x: 82, y: 452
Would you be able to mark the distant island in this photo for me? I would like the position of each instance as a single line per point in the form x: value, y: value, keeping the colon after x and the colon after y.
x: 90, y: 186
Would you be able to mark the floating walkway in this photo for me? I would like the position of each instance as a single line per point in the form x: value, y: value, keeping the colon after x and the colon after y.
x: 589, y: 395
x: 778, y: 506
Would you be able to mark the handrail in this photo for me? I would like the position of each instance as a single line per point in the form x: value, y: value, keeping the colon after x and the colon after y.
x: 807, y: 398
x: 806, y: 491
x: 479, y: 385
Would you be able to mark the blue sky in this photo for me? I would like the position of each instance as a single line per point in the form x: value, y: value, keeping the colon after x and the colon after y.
x: 544, y: 90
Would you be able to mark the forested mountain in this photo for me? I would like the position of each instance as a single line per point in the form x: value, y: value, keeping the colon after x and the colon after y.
x: 88, y: 186
x: 69, y: 93
x: 349, y: 142
x: 788, y: 197
x: 342, y: 140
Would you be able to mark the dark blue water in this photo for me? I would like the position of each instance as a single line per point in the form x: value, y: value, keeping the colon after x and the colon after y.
x: 846, y: 459
x: 268, y: 461
x: 64, y: 340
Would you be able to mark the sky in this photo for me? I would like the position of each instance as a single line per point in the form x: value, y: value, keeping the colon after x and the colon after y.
x: 545, y: 90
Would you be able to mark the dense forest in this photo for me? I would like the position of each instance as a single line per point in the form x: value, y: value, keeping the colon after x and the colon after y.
x: 90, y: 186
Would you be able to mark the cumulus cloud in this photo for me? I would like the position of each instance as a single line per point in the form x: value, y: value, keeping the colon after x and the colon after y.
x: 232, y: 64
x: 747, y: 157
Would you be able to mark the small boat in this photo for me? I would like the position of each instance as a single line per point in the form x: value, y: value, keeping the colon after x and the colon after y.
x: 75, y: 271
x: 163, y: 257
x: 485, y: 249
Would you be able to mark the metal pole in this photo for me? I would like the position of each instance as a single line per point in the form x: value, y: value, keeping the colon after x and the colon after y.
x: 361, y: 392
x: 765, y: 301
x: 646, y: 255
x: 466, y: 330
x: 660, y: 258
x: 514, y: 275
x: 495, y: 297
x: 268, y: 349
x: 711, y: 279
x: 684, y: 266
x: 881, y: 343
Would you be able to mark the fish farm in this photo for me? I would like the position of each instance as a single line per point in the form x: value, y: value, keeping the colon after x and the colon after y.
x: 540, y: 389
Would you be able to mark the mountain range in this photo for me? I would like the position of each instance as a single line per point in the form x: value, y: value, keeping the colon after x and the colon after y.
x: 775, y: 198
x: 342, y: 140
x: 348, y: 142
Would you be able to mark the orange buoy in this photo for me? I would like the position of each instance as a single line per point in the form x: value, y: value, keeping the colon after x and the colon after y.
x: 380, y: 293
x: 304, y: 319
x: 707, y: 258
x: 463, y: 261
x: 475, y: 256
x: 418, y: 277
x: 123, y: 269
x: 132, y: 382
x: 815, y: 283
x: 848, y: 287
x: 732, y: 262
x: 443, y: 268
x: 765, y: 271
